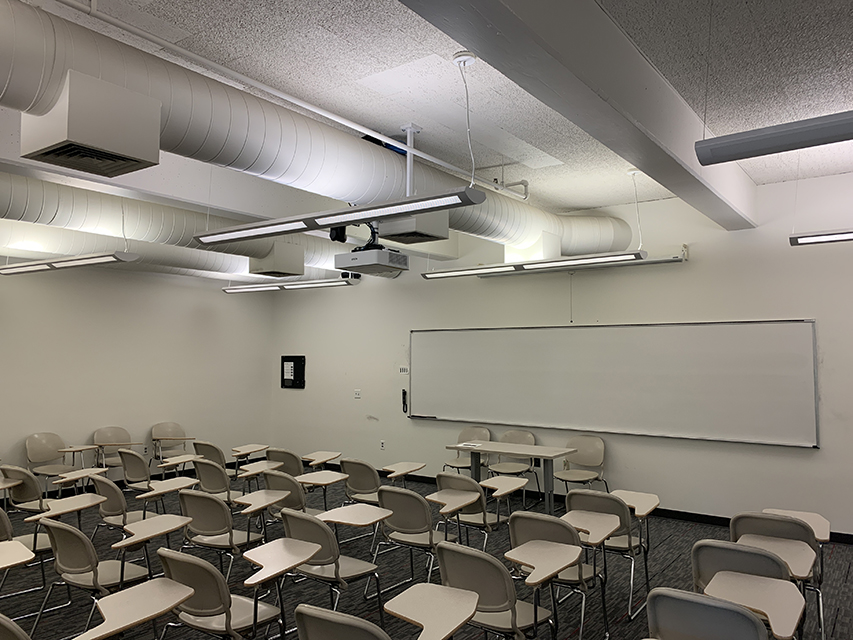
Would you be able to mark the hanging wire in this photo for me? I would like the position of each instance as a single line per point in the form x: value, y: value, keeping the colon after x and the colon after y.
x: 468, y: 121
x: 637, y: 206
x: 707, y: 69
x: 123, y: 233
x: 796, y: 192
x: 209, y: 189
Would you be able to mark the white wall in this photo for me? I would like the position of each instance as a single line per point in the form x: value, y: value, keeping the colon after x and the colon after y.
x: 356, y: 339
x: 92, y: 347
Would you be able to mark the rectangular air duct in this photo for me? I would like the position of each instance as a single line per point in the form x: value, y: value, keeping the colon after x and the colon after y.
x: 426, y: 227
x: 96, y: 127
x: 285, y: 259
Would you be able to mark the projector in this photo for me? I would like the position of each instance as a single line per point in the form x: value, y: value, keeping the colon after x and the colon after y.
x: 372, y: 261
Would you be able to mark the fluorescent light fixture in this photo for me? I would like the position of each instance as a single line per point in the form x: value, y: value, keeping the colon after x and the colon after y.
x: 473, y: 271
x: 71, y: 261
x: 346, y: 279
x: 836, y: 127
x: 252, y: 288
x: 565, y: 263
x: 568, y: 263
x: 295, y: 224
x: 820, y: 238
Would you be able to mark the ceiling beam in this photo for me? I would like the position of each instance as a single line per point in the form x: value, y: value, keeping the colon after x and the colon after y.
x: 572, y: 57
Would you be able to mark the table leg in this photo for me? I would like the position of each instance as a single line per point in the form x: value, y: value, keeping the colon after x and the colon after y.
x: 325, y: 506
x: 548, y: 482
x: 645, y: 552
x: 475, y: 465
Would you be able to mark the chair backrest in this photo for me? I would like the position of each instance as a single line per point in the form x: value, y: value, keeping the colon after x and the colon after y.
x: 682, y: 615
x: 134, y: 465
x: 110, y: 435
x: 466, y: 568
x: 210, y: 515
x: 474, y: 433
x: 314, y: 623
x: 209, y: 451
x: 601, y: 502
x: 73, y: 552
x: 28, y: 491
x: 525, y: 526
x: 711, y: 556
x: 363, y: 477
x: 167, y: 430
x: 302, y: 526
x: 115, y: 505
x: 590, y: 452
x: 280, y: 481
x: 777, y: 526
x: 211, y: 597
x: 412, y: 513
x: 292, y: 462
x: 463, y: 483
x: 212, y: 478
x: 6, y: 530
x: 517, y: 436
x: 9, y: 630
x: 44, y: 447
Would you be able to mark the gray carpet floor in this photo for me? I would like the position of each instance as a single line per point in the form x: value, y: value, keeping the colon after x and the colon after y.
x: 668, y: 562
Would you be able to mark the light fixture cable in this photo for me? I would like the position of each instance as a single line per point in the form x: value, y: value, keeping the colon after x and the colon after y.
x: 462, y: 60
x: 707, y: 69
x: 633, y: 174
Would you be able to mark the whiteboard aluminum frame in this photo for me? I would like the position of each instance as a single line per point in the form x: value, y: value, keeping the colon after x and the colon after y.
x: 811, y: 321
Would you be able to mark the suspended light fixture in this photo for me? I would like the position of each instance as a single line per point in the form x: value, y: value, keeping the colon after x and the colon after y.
x: 346, y: 279
x: 570, y: 263
x: 825, y: 237
x: 62, y: 263
x: 813, y: 132
x: 354, y: 215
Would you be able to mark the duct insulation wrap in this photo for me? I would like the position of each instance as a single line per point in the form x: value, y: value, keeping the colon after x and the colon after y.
x: 209, y: 121
x: 45, y: 203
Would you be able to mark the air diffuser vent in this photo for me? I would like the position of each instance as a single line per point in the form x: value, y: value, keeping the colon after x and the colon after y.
x: 96, y: 127
x: 427, y: 227
x: 82, y: 158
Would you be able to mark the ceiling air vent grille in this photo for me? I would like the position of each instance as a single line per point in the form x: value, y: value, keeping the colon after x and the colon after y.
x: 82, y: 158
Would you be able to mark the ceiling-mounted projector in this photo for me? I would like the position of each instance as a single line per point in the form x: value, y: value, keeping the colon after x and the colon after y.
x: 372, y: 261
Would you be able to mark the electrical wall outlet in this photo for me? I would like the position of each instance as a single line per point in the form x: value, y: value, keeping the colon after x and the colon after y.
x: 145, y: 451
x: 382, y: 445
x: 404, y: 370
x: 357, y: 394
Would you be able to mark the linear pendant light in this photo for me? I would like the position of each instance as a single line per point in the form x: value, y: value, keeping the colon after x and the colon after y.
x: 826, y: 237
x: 62, y: 263
x: 568, y: 263
x: 354, y: 215
x: 836, y: 127
x: 346, y: 279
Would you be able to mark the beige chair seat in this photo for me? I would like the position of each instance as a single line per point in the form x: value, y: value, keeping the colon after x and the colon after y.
x: 501, y: 620
x: 171, y: 452
x: 116, y: 521
x: 112, y: 460
x: 242, y: 613
x: 476, y: 519
x: 138, y: 486
x: 462, y: 462
x: 571, y: 575
x: 54, y: 469
x: 509, y: 468
x: 109, y: 575
x: 349, y: 568
x: 576, y: 475
x: 222, y: 541
x: 367, y: 498
x: 421, y: 539
x: 620, y: 543
x: 42, y: 542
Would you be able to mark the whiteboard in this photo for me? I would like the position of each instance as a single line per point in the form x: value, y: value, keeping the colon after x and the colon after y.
x: 736, y: 381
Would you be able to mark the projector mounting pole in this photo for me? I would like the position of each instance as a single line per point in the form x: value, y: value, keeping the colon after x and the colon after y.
x: 410, y: 130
